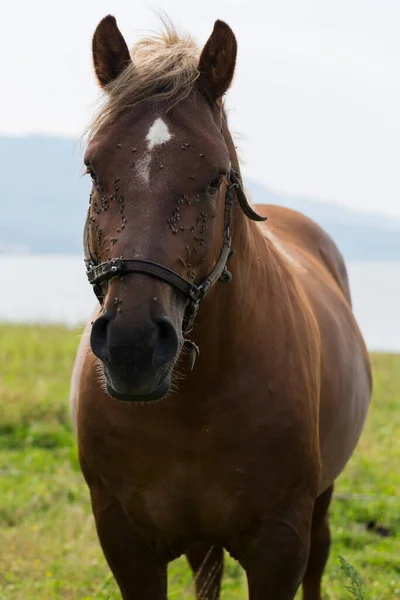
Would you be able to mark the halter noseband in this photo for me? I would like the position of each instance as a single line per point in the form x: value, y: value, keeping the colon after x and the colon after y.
x: 106, y: 271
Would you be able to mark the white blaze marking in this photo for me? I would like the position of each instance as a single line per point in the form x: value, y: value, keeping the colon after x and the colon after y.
x: 143, y: 168
x: 158, y: 134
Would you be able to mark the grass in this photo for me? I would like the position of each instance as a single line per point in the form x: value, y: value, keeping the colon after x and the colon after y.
x: 48, y: 543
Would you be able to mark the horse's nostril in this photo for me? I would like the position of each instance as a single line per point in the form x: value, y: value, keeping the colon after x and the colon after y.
x: 98, y: 337
x: 152, y: 345
x: 167, y: 344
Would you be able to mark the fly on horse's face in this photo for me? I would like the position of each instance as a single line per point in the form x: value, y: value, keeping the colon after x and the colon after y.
x: 160, y: 176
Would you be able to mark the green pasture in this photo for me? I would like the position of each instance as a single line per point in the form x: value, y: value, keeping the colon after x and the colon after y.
x: 48, y: 545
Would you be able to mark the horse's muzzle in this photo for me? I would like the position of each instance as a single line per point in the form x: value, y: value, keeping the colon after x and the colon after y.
x: 149, y: 396
x: 137, y: 360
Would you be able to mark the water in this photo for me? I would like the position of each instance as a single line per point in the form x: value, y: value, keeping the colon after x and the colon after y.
x: 54, y: 289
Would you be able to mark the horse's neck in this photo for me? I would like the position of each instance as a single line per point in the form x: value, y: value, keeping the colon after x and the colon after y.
x: 232, y: 316
x: 234, y: 307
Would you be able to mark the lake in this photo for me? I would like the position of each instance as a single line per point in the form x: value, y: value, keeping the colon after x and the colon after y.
x: 54, y: 289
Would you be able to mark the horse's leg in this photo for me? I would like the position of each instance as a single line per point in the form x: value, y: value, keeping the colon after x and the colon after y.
x: 139, y: 572
x: 319, y: 547
x: 275, y: 558
x: 207, y: 563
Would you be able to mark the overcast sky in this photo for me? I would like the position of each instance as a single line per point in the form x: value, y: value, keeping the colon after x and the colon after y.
x: 316, y: 97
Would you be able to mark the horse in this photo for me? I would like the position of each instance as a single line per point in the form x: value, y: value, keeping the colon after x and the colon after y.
x: 217, y: 395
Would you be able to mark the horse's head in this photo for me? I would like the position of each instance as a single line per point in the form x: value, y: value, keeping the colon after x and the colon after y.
x: 160, y: 168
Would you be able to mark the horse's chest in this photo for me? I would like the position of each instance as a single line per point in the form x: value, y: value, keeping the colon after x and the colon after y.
x: 194, y: 478
x: 178, y: 502
x: 169, y: 489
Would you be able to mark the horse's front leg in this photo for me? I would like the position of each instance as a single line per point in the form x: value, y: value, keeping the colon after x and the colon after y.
x: 138, y: 570
x: 275, y: 558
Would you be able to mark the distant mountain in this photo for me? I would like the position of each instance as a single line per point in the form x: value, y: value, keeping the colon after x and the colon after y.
x: 44, y: 199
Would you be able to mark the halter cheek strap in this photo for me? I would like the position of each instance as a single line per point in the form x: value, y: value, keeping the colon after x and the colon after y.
x: 106, y: 271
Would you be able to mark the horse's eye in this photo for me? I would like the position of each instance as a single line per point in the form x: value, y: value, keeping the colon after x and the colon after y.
x: 215, y: 184
x: 90, y: 172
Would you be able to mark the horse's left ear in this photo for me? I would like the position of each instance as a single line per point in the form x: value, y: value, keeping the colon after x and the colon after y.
x: 217, y: 61
x: 110, y: 52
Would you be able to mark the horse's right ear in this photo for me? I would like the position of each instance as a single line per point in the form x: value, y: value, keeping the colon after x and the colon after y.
x: 110, y: 52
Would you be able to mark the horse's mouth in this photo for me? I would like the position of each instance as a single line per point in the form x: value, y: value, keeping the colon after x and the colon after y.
x: 161, y: 391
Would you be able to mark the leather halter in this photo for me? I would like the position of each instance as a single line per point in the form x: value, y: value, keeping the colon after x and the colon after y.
x: 106, y: 271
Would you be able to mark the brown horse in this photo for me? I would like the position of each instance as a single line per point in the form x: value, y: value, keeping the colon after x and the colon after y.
x: 239, y: 448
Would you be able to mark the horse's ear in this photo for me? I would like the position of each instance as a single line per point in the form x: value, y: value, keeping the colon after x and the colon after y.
x: 110, y: 52
x: 217, y: 61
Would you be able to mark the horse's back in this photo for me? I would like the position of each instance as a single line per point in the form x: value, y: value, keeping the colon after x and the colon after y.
x: 301, y: 238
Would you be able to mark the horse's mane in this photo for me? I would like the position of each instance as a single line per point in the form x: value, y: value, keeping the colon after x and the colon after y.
x: 163, y: 68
